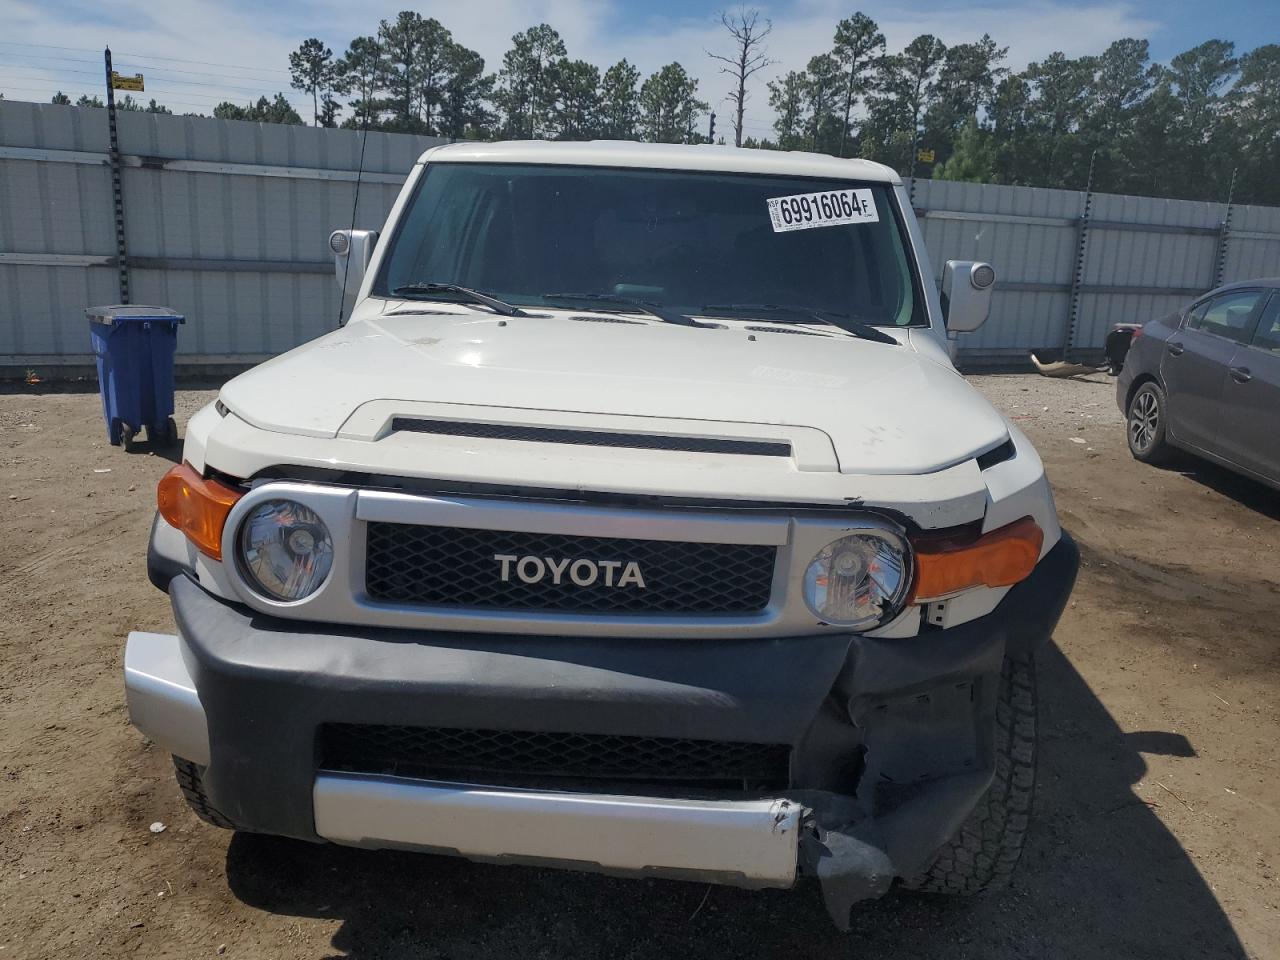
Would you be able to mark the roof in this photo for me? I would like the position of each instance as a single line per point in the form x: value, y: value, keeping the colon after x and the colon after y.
x: 1237, y: 284
x: 663, y: 156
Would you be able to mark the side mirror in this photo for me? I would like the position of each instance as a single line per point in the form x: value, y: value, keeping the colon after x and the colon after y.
x: 352, y: 251
x: 966, y: 294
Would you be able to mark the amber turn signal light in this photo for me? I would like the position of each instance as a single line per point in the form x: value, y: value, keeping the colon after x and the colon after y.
x: 196, y: 506
x: 997, y: 559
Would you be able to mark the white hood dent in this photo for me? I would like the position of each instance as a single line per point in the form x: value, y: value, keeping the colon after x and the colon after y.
x: 885, y: 409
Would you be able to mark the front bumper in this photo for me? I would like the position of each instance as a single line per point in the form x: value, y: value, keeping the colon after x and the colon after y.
x: 891, y: 740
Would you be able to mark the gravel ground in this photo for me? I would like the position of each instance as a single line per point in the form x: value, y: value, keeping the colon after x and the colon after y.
x: 1157, y: 812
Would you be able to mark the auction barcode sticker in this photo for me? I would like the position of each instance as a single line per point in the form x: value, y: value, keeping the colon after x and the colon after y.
x: 805, y: 211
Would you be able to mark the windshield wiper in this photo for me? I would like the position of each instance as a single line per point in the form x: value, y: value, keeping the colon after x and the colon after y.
x: 829, y: 318
x: 636, y: 306
x: 472, y: 296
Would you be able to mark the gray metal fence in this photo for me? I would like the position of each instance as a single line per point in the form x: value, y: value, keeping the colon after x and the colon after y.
x: 227, y: 222
x: 1114, y: 258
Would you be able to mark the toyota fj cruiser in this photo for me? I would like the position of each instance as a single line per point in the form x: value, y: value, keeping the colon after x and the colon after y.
x: 636, y: 521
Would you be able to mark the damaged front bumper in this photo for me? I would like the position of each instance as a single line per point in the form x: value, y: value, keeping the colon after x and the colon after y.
x: 888, y: 744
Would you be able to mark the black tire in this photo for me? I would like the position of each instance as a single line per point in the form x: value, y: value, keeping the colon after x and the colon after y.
x: 984, y: 852
x: 163, y: 435
x: 1145, y: 424
x: 190, y: 777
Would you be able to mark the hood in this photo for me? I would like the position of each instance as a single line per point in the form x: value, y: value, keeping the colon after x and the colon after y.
x: 886, y: 408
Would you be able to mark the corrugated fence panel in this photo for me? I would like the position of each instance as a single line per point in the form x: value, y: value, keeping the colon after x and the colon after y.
x: 1172, y: 246
x: 1253, y: 249
x: 1029, y: 235
x: 228, y: 223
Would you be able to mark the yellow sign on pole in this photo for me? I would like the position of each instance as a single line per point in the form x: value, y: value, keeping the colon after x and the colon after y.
x: 924, y: 156
x: 120, y: 82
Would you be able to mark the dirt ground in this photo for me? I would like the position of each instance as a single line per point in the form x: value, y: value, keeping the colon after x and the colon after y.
x: 1158, y: 807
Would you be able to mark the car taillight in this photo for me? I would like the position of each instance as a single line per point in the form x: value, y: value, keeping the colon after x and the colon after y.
x: 196, y: 506
x: 1137, y: 332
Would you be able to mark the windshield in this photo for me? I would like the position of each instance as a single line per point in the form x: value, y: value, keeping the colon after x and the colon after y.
x: 707, y: 244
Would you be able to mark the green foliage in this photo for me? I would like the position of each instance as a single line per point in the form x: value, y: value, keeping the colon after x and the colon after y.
x: 463, y: 115
x: 859, y: 48
x: 276, y: 110
x: 312, y: 70
x: 526, y: 93
x: 575, y: 112
x: 1178, y: 129
x: 127, y: 102
x: 61, y: 99
x: 620, y: 102
x: 822, y: 130
x: 669, y: 106
x: 789, y: 99
x: 973, y: 158
x: 358, y: 74
x: 1252, y: 123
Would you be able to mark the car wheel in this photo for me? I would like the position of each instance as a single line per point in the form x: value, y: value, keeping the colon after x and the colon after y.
x: 983, y: 853
x: 190, y: 777
x: 1145, y: 427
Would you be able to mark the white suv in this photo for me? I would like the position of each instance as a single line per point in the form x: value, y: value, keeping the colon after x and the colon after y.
x: 636, y: 521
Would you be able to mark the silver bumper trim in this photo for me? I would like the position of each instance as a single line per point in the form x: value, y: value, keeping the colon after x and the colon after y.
x: 751, y: 843
x: 162, y: 697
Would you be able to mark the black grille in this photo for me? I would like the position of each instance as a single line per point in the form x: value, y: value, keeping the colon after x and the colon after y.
x: 592, y: 438
x: 452, y: 567
x: 516, y: 757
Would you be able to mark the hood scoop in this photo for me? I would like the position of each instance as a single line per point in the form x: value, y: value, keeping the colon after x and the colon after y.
x: 592, y: 438
x: 796, y: 331
x: 631, y: 323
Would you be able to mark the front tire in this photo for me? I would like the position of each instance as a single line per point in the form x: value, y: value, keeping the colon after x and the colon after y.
x: 1145, y: 424
x: 190, y: 777
x: 985, y: 850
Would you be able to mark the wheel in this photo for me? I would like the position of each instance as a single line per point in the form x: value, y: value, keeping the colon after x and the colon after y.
x: 1146, y: 423
x: 984, y: 851
x: 190, y: 777
x: 164, y: 434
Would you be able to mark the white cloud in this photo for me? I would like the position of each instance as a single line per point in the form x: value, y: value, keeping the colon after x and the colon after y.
x: 602, y: 31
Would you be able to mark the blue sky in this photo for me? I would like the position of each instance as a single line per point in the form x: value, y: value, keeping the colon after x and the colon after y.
x: 197, y: 52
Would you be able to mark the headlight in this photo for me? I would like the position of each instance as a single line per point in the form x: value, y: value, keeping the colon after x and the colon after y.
x: 861, y: 580
x: 285, y: 550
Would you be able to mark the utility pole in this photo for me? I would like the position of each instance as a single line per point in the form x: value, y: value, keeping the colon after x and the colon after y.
x: 711, y: 129
x: 122, y: 262
x: 1077, y: 278
x: 1224, y: 235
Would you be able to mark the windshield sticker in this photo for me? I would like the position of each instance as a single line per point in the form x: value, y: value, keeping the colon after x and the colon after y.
x: 805, y: 211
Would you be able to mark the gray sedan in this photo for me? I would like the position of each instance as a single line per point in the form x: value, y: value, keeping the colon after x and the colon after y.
x: 1207, y: 380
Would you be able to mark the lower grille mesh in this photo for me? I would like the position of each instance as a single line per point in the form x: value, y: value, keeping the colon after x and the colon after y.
x: 514, y: 757
x: 453, y: 567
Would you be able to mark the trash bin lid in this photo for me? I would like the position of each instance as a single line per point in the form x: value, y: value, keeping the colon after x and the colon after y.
x: 132, y: 313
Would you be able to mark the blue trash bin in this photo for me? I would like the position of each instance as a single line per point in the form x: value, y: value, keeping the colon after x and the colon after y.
x: 134, y: 348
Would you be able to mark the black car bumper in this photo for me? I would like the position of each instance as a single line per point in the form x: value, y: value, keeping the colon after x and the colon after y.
x: 889, y: 743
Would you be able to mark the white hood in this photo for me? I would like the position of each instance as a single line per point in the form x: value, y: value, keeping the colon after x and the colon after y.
x: 886, y: 409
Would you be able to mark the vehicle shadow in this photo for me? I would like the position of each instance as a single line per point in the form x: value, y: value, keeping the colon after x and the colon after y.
x: 1101, y: 878
x: 169, y: 451
x: 1250, y: 493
